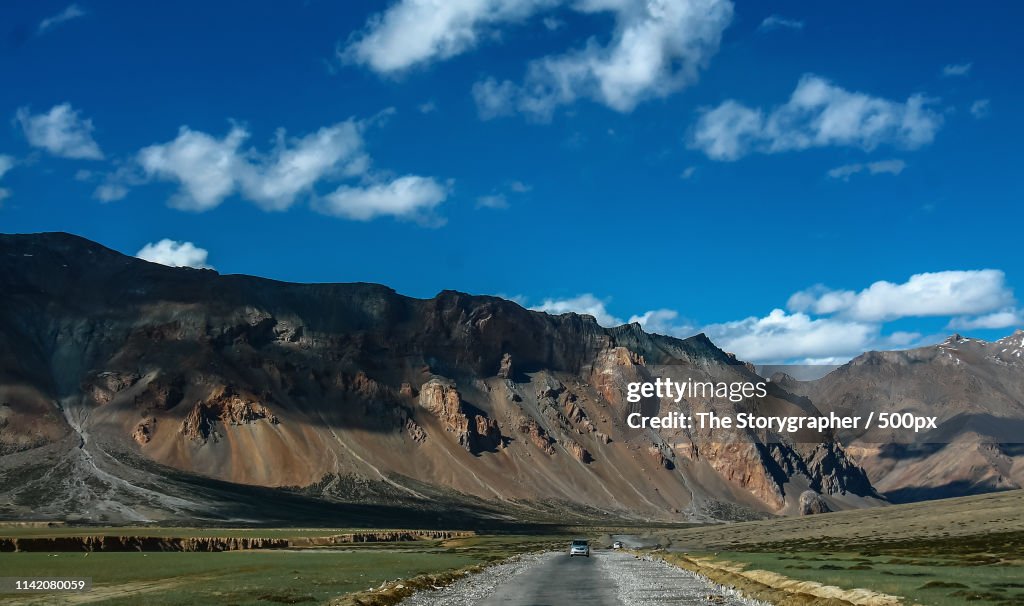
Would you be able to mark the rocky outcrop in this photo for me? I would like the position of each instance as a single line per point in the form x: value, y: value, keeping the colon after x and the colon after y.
x: 143, y: 432
x: 505, y: 370
x: 577, y: 451
x: 205, y: 419
x: 442, y: 399
x: 415, y: 432
x: 832, y: 472
x: 744, y: 464
x: 812, y: 503
x: 536, y: 434
x: 659, y: 456
x: 105, y: 385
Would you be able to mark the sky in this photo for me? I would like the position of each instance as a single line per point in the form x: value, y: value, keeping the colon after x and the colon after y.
x: 801, y: 181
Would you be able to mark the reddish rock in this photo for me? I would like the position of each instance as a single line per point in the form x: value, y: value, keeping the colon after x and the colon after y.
x: 144, y: 431
x: 538, y: 437
x: 578, y: 452
x: 443, y: 400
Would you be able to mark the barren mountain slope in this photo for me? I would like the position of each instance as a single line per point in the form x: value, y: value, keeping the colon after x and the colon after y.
x: 974, y: 388
x: 125, y: 384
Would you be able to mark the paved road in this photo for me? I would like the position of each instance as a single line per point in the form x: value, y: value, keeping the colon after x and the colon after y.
x: 605, y: 579
x: 558, y: 579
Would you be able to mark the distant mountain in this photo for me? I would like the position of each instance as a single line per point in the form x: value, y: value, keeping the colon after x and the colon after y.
x: 974, y: 388
x: 134, y: 391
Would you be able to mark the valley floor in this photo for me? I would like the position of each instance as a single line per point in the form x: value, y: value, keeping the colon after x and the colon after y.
x: 941, y: 553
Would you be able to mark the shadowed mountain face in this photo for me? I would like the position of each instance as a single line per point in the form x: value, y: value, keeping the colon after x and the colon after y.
x: 974, y: 388
x: 132, y: 391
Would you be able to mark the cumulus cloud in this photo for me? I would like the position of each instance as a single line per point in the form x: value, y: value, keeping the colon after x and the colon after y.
x: 583, y: 304
x: 73, y: 11
x: 656, y: 48
x: 981, y: 108
x: 890, y: 167
x: 817, y: 114
x: 174, y: 254
x: 664, y: 322
x: 997, y: 319
x: 944, y: 293
x: 60, y: 131
x: 408, y: 196
x: 209, y: 168
x: 206, y: 168
x: 418, y: 32
x: 780, y: 336
x: 774, y: 22
x: 823, y: 325
x: 957, y: 69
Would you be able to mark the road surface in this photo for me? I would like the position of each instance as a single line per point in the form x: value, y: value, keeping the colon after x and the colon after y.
x: 605, y: 579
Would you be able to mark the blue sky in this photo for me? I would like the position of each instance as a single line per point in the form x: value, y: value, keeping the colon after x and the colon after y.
x: 800, y: 180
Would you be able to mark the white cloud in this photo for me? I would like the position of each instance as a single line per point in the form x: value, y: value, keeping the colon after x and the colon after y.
x: 60, y: 131
x: 174, y: 254
x: 73, y: 11
x: 997, y: 319
x: 427, y: 108
x: 818, y: 114
x: 774, y: 22
x: 891, y: 167
x: 417, y: 32
x: 208, y: 169
x: 405, y: 197
x: 586, y: 304
x: 981, y: 108
x: 519, y: 187
x: 295, y: 165
x: 688, y: 172
x: 780, y: 337
x: 110, y: 192
x: 495, y: 201
x: 494, y: 99
x: 6, y: 164
x: 944, y: 293
x: 663, y: 322
x: 957, y: 69
x: 657, y: 48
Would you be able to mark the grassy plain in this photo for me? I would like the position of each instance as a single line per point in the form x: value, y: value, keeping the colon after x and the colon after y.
x: 303, y: 576
x: 953, y: 551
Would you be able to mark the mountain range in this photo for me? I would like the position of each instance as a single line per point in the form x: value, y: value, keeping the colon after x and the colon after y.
x: 133, y: 392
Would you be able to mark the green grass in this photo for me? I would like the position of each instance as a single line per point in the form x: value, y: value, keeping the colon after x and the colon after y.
x: 239, y: 577
x: 987, y: 570
x: 310, y: 576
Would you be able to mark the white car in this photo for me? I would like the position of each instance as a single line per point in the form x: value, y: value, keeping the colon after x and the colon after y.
x: 618, y: 545
x: 579, y: 547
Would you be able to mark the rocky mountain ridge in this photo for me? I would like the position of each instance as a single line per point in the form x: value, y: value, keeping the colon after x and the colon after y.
x: 124, y: 383
x: 973, y: 388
